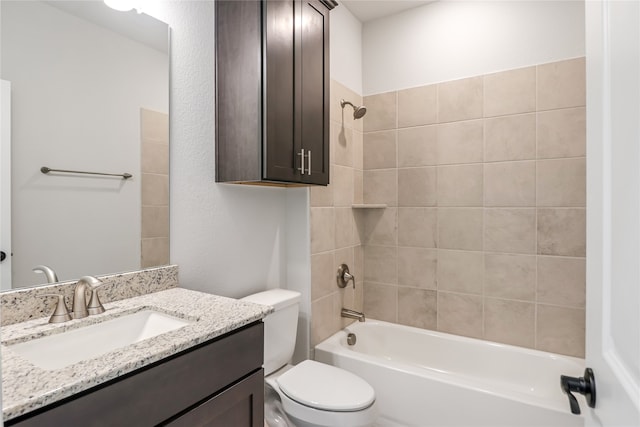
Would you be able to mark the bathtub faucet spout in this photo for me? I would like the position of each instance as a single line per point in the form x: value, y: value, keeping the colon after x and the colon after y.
x: 352, y: 314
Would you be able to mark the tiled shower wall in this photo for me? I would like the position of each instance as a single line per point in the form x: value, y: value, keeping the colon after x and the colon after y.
x: 484, y: 233
x: 334, y: 234
x: 154, y: 135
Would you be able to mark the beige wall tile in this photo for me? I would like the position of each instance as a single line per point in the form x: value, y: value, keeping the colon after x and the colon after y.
x: 510, y: 184
x: 561, y: 84
x: 155, y: 190
x: 417, y: 146
x: 417, y: 267
x: 460, y: 314
x: 323, y: 275
x: 562, y: 232
x: 417, y: 187
x: 510, y: 92
x: 155, y: 251
x: 357, y: 269
x: 460, y: 228
x: 509, y: 322
x: 344, y: 227
x: 381, y: 186
x: 155, y: 221
x: 322, y: 229
x: 379, y: 150
x: 417, y: 227
x: 154, y: 126
x: 461, y: 142
x: 460, y: 100
x: 322, y: 195
x: 417, y: 307
x: 560, y: 330
x: 155, y: 157
x: 381, y: 112
x: 562, y: 133
x: 342, y: 186
x: 460, y: 185
x: 510, y: 138
x: 380, y: 302
x: 417, y: 106
x: 510, y: 230
x: 324, y: 322
x: 510, y: 276
x: 380, y: 226
x: 451, y: 277
x: 562, y: 182
x: 561, y: 281
x: 358, y: 148
x: 381, y: 264
x: 358, y: 187
x: 342, y: 144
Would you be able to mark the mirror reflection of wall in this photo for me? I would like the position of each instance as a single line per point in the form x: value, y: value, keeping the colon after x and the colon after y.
x: 86, y: 98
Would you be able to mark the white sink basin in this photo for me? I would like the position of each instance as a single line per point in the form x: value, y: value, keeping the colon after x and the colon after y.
x: 66, y: 348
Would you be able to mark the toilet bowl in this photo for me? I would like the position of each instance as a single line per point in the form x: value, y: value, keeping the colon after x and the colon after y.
x: 313, y: 394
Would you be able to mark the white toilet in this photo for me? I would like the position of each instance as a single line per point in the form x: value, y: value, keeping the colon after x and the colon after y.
x: 313, y: 394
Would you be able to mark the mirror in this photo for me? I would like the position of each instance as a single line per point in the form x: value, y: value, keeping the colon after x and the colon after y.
x: 89, y: 91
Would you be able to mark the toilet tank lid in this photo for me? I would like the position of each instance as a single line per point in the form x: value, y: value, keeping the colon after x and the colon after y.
x: 277, y: 298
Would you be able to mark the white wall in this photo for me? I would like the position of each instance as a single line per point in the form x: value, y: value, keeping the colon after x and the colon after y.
x: 346, y: 48
x: 449, y: 40
x: 66, y: 118
x: 227, y: 239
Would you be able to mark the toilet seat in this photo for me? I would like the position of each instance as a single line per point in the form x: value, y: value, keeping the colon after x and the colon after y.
x: 326, y: 388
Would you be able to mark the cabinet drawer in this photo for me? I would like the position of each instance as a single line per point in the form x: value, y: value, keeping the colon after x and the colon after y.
x: 242, y: 405
x: 153, y: 394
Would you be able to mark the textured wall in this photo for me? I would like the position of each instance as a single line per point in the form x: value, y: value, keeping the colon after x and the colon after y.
x: 448, y: 40
x: 484, y: 233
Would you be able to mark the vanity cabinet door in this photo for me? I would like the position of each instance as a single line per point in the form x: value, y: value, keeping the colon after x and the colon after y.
x: 242, y: 405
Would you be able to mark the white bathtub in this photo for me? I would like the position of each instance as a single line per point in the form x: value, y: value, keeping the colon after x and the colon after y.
x: 424, y: 378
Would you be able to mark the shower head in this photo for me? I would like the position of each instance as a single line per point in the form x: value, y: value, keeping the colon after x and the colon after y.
x: 358, y: 111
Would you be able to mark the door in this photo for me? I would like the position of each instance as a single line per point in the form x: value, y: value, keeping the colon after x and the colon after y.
x: 5, y: 185
x: 613, y: 210
x: 312, y: 85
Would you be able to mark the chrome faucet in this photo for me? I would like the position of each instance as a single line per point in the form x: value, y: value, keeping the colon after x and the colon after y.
x: 352, y: 314
x: 80, y: 308
x: 51, y: 275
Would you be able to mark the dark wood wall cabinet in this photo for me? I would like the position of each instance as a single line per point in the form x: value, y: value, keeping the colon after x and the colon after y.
x: 217, y: 384
x: 272, y: 91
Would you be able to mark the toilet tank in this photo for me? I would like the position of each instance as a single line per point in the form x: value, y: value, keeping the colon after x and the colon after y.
x: 280, y: 327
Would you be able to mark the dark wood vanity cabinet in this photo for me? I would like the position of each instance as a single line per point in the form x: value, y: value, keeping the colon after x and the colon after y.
x: 272, y: 91
x: 217, y: 384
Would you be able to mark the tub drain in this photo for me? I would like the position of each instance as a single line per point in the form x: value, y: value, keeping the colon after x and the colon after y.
x: 351, y: 339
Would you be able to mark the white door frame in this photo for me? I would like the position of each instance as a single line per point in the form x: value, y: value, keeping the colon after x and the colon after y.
x: 5, y: 183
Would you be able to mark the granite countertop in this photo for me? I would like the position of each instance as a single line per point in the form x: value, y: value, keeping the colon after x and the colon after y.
x: 26, y: 387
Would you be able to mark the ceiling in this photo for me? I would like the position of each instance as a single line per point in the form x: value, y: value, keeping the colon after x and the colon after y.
x: 368, y: 10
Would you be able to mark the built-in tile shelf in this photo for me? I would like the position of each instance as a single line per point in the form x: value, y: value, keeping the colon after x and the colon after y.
x: 369, y: 206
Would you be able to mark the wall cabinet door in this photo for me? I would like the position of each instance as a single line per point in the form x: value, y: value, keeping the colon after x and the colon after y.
x: 273, y: 54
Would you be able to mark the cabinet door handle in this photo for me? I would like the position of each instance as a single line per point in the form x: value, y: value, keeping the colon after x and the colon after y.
x: 301, y: 168
x: 309, y: 164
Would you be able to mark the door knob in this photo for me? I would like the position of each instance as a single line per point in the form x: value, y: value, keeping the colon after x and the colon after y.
x: 584, y: 385
x: 2, y: 256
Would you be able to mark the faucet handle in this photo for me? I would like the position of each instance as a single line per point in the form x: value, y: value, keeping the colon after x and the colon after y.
x: 344, y: 276
x: 95, y: 306
x: 61, y: 312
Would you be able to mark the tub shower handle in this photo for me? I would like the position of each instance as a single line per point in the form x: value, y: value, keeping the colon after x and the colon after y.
x: 344, y: 276
x: 584, y: 385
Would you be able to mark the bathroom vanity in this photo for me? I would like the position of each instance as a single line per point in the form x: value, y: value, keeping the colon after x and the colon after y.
x: 206, y: 373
